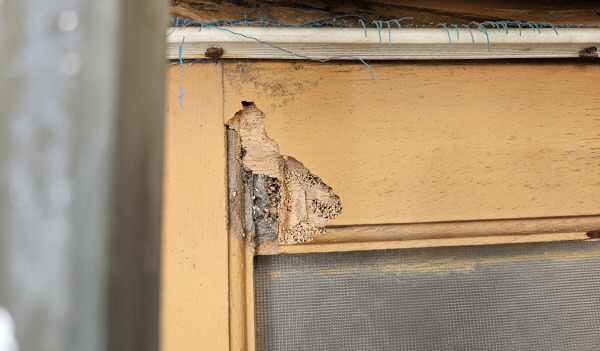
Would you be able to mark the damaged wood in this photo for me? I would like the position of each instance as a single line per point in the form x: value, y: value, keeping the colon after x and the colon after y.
x: 591, y: 52
x: 289, y: 203
x: 421, y: 146
x: 241, y: 226
x: 264, y: 192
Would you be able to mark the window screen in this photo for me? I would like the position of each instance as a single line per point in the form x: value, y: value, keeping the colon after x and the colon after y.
x: 503, y: 297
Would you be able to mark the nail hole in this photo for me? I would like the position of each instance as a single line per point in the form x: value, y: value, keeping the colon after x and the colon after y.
x: 594, y: 234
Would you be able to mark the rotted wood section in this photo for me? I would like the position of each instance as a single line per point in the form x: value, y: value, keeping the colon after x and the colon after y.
x: 436, y: 151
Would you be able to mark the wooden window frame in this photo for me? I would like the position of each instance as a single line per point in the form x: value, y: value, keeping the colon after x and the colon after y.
x: 208, y: 264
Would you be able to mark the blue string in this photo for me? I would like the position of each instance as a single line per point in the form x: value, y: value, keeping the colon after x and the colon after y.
x: 378, y: 25
x: 455, y: 26
x: 196, y: 61
x: 341, y: 21
x: 301, y: 56
x: 181, y: 94
x: 470, y: 32
x: 180, y: 60
x: 364, y: 26
x: 503, y: 24
x: 550, y: 25
x: 484, y: 31
x: 447, y: 32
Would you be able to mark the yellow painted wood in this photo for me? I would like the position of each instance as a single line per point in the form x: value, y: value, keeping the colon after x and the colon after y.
x: 406, y: 244
x: 194, y: 289
x: 435, y: 141
x: 427, y: 142
x: 241, y: 255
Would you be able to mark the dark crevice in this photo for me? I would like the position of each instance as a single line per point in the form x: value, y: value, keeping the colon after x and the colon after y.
x: 594, y: 234
x: 265, y: 195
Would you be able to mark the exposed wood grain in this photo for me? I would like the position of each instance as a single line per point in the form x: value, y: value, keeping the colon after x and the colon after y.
x: 423, y: 12
x: 439, y: 230
x: 390, y: 236
x: 435, y: 142
x: 405, y: 244
x: 195, y: 289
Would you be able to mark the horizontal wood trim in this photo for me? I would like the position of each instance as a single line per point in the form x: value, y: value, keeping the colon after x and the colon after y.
x: 384, y: 44
x: 417, y: 243
x: 411, y: 231
x: 376, y: 237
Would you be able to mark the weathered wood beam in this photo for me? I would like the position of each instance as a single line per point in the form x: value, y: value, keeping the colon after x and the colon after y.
x: 423, y: 12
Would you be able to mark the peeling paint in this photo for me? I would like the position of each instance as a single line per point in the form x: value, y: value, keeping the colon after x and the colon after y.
x: 285, y: 190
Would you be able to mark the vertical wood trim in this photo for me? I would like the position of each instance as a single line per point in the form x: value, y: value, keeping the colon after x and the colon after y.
x: 250, y: 315
x: 237, y: 248
x: 241, y: 254
x: 237, y: 293
x: 241, y: 296
x: 194, y: 282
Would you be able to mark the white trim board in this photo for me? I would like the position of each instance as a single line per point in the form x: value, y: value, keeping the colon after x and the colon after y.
x: 384, y: 44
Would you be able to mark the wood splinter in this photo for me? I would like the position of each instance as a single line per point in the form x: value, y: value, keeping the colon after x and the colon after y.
x: 305, y: 202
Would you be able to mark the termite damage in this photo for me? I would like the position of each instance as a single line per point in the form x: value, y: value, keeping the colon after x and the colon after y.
x: 591, y: 52
x: 287, y: 198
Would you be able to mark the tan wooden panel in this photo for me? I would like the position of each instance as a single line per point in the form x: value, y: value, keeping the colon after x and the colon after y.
x: 194, y: 288
x: 435, y: 141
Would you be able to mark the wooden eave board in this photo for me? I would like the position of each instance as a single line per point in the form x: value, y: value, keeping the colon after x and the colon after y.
x: 435, y: 141
x: 423, y: 12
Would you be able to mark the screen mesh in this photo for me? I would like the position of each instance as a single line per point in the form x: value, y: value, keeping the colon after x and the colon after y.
x: 507, y: 297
